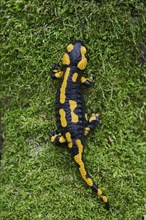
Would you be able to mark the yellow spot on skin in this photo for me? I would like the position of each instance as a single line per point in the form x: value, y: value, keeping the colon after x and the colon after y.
x: 62, y: 139
x: 68, y: 137
x: 99, y: 192
x: 86, y: 116
x: 55, y: 71
x: 74, y: 77
x: 63, y: 117
x: 53, y: 137
x: 104, y: 198
x: 83, y: 62
x: 93, y: 117
x: 59, y: 74
x: 70, y: 47
x: 70, y: 145
x: 69, y: 140
x: 83, y: 171
x: 89, y: 182
x: 80, y: 146
x: 78, y: 158
x: 83, y: 79
x: 79, y: 161
x: 66, y: 59
x: 73, y: 105
x: 86, y: 131
x: 83, y: 50
x: 63, y: 86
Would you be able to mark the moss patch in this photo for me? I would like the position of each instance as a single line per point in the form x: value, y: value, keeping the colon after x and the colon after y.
x: 38, y: 180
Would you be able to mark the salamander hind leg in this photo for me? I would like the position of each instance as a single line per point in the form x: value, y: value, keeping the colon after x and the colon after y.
x: 93, y: 121
x: 57, y: 138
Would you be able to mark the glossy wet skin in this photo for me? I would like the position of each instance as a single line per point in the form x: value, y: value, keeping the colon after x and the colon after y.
x: 71, y: 117
x: 76, y: 55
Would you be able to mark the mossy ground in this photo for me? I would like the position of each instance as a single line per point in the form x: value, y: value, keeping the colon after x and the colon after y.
x: 38, y: 180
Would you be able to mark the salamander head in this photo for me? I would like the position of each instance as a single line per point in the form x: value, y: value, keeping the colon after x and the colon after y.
x: 76, y: 55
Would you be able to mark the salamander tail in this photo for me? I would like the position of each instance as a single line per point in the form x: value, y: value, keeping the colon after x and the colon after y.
x: 102, y: 195
x: 78, y: 159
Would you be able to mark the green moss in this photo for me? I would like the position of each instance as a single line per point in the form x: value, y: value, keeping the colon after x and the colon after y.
x: 38, y: 180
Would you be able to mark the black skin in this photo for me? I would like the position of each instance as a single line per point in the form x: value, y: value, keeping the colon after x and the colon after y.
x: 73, y: 93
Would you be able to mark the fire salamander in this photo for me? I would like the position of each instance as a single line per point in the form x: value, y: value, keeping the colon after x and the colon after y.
x: 71, y: 117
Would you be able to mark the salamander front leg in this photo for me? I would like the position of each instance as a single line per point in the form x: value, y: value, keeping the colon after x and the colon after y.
x: 56, y: 138
x: 94, y: 120
x: 55, y: 72
x: 85, y: 81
